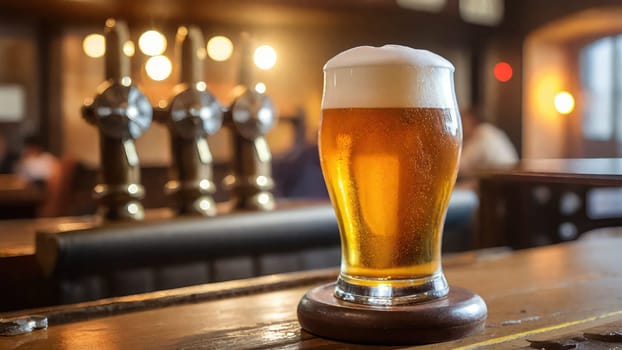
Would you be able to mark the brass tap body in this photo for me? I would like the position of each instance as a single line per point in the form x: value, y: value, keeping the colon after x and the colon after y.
x: 192, y: 115
x: 121, y: 113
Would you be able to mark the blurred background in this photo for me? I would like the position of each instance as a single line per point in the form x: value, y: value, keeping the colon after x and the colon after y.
x: 538, y: 79
x: 545, y: 73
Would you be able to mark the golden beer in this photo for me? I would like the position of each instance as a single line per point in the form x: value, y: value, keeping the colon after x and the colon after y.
x: 391, y: 172
x: 389, y: 150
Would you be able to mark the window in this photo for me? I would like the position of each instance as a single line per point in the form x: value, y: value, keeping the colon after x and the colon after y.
x: 601, y: 78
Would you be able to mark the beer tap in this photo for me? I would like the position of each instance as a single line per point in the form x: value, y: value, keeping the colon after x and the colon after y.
x: 249, y: 117
x: 192, y: 115
x: 121, y: 113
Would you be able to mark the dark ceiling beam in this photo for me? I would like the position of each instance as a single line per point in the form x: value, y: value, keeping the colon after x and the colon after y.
x: 258, y: 12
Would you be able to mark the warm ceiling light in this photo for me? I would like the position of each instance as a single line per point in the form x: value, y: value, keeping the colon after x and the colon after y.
x: 94, y: 45
x: 152, y: 43
x: 265, y: 57
x: 564, y: 102
x: 128, y: 48
x: 503, y: 71
x: 182, y: 31
x: 260, y: 88
x: 158, y: 67
x: 219, y: 48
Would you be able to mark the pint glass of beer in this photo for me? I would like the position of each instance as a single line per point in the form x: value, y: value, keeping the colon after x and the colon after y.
x: 389, y: 141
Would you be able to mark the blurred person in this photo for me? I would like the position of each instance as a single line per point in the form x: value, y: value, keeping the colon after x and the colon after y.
x: 36, y: 165
x: 484, y: 146
x: 46, y: 172
x: 298, y: 174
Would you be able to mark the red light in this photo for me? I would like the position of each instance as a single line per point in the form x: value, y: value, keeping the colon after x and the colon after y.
x: 503, y: 71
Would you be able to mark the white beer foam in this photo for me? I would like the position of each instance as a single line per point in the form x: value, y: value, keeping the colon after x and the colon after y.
x: 391, y: 76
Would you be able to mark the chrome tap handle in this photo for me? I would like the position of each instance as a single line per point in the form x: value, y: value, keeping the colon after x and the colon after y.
x: 253, y: 114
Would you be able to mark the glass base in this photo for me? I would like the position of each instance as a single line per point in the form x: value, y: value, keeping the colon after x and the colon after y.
x: 394, y: 292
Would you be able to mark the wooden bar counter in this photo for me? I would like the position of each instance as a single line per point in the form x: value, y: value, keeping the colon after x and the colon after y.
x: 537, y: 294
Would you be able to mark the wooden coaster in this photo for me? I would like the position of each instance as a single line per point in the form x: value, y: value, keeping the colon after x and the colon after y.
x: 459, y: 314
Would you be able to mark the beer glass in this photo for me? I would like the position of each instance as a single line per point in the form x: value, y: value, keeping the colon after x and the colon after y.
x: 389, y: 143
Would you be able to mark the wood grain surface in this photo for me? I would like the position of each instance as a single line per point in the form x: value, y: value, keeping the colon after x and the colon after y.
x: 531, y: 294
